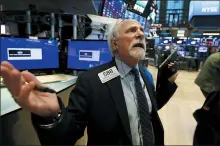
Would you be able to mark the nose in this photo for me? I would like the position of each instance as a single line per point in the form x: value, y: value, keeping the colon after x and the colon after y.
x: 140, y: 34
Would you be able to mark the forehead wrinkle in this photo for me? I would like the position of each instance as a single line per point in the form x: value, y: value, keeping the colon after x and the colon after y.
x: 129, y: 24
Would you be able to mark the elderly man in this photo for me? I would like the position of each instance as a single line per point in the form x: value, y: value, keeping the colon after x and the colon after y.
x: 115, y: 101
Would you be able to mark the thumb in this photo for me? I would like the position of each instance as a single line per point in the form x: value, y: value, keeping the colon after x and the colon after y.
x: 29, y: 77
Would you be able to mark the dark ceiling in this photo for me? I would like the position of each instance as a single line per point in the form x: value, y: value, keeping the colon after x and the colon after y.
x: 68, y: 6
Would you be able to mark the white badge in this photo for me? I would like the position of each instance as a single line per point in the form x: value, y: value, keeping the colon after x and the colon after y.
x: 108, y: 74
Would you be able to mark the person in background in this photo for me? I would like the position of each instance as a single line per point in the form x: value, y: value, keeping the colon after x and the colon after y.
x: 115, y: 101
x: 211, y: 50
x: 168, y: 51
x: 208, y: 78
x: 207, y: 131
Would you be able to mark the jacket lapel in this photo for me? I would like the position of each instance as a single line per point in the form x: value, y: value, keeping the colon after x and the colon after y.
x: 149, y: 87
x: 117, y: 94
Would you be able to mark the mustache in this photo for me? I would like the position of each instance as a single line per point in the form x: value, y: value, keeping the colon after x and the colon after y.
x: 139, y: 43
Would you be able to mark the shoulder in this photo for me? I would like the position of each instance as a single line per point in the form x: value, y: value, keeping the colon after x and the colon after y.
x: 212, y: 61
x: 147, y: 72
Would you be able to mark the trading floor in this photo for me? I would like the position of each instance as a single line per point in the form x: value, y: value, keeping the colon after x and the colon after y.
x: 176, y: 116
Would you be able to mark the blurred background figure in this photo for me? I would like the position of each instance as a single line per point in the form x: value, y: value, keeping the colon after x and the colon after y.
x: 207, y: 131
x: 211, y: 50
x: 209, y: 77
x: 208, y: 118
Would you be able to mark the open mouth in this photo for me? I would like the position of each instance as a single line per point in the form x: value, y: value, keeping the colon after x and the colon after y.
x: 139, y: 45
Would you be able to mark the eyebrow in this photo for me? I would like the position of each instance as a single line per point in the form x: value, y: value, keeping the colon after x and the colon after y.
x: 131, y: 27
x: 121, y: 21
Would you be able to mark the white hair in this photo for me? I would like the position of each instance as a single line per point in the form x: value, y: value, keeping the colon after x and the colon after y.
x: 113, y: 33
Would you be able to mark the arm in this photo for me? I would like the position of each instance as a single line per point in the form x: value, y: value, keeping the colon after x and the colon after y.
x: 164, y: 92
x: 74, y: 119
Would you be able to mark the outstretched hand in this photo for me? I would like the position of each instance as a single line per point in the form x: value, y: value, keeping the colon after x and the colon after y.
x: 21, y: 86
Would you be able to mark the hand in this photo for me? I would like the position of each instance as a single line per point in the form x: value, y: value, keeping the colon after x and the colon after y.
x: 21, y: 85
x: 173, y: 77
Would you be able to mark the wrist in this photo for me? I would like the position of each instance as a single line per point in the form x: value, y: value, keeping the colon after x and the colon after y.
x: 51, y: 122
x: 47, y: 122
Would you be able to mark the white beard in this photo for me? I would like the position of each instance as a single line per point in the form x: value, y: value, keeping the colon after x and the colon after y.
x: 138, y: 53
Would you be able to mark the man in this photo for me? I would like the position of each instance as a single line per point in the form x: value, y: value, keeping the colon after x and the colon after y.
x: 114, y: 101
x: 212, y: 50
x: 207, y: 130
x: 209, y: 77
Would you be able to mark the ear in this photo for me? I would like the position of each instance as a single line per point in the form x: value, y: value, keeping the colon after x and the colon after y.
x: 114, y: 44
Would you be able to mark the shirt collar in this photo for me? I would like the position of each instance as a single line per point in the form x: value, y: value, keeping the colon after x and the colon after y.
x: 123, y: 68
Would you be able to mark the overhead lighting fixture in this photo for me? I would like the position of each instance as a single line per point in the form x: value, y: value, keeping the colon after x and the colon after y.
x: 180, y: 35
x: 211, y: 34
x: 3, y: 29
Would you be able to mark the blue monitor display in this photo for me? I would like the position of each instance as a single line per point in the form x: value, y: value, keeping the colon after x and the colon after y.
x: 84, y: 55
x: 139, y: 18
x: 203, y: 49
x: 193, y: 41
x: 26, y: 53
x: 204, y: 8
x: 114, y: 9
x: 165, y: 40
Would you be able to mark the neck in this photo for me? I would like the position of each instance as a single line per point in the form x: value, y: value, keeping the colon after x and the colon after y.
x: 131, y: 63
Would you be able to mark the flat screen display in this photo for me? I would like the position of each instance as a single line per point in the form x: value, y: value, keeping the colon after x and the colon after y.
x: 140, y: 6
x: 114, y: 9
x: 165, y: 41
x: 193, y: 41
x: 83, y: 55
x: 131, y: 15
x: 203, y: 49
x: 204, y: 8
x: 24, y: 53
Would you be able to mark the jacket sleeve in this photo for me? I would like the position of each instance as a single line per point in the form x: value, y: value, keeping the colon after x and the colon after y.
x: 74, y: 120
x: 164, y: 92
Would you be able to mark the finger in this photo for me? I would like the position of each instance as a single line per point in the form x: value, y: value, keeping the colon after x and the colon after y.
x: 25, y: 91
x: 17, y: 82
x: 6, y: 74
x: 30, y: 77
x: 8, y: 65
x: 169, y: 65
x: 175, y: 76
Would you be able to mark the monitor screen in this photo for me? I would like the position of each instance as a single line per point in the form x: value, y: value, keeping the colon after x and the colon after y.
x: 84, y: 55
x: 179, y: 42
x: 203, y: 49
x: 140, y: 6
x: 193, y: 42
x: 204, y: 8
x: 114, y: 9
x: 30, y: 54
x: 139, y: 18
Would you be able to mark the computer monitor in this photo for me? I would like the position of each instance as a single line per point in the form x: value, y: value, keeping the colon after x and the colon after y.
x: 140, y: 6
x: 134, y: 16
x: 203, y: 49
x: 86, y: 54
x: 114, y: 9
x: 30, y: 54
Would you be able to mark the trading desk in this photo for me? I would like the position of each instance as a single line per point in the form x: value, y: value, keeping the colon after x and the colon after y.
x: 58, y: 82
